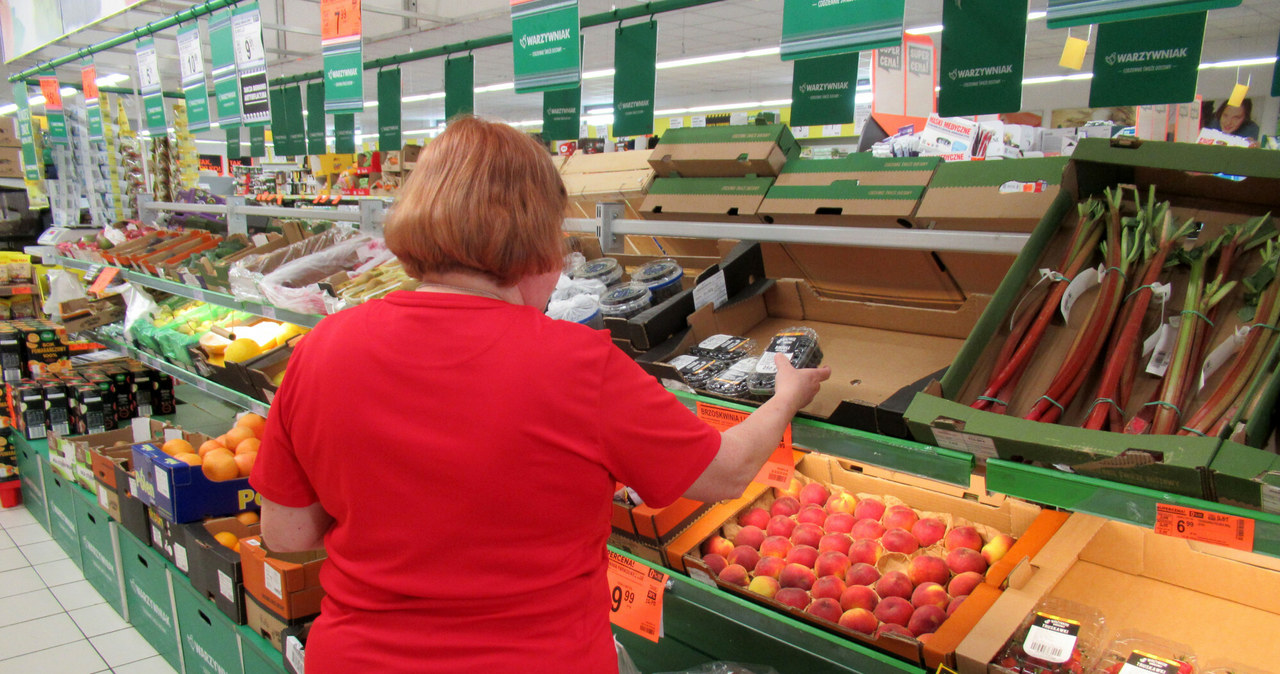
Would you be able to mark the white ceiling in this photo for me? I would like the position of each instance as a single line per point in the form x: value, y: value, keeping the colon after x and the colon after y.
x: 398, y: 26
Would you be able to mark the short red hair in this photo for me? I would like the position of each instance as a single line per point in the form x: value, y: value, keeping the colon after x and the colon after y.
x: 484, y: 198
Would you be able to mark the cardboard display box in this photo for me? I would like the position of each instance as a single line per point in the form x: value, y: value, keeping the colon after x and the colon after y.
x: 271, y: 627
x: 705, y: 199
x: 31, y: 476
x: 843, y: 202
x: 622, y: 177
x: 941, y: 415
x: 724, y: 151
x: 166, y: 539
x: 146, y: 587
x: 62, y: 522
x: 11, y: 162
x: 98, y: 550
x: 655, y: 524
x: 180, y: 493
x: 1218, y: 601
x: 215, y: 568
x: 209, y: 641
x: 83, y: 314
x: 862, y: 167
x: 286, y: 583
x: 991, y: 196
x: 85, y: 454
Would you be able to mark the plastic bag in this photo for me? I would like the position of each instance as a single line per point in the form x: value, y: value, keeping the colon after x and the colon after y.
x: 244, y: 274
x: 63, y: 286
x: 138, y: 304
x: 295, y: 285
x: 625, y: 664
x: 727, y: 668
x: 583, y: 309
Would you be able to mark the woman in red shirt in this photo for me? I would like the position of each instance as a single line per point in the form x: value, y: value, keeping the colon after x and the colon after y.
x: 455, y: 451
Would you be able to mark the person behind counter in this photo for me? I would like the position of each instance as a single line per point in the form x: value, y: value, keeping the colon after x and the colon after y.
x: 1236, y: 120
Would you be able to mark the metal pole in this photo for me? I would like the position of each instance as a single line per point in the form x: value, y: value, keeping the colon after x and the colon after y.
x: 110, y: 90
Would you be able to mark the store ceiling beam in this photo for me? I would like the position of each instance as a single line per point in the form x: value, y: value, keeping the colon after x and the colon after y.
x: 402, y: 13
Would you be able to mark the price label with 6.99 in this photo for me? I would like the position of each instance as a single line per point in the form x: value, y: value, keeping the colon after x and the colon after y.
x: 635, y: 596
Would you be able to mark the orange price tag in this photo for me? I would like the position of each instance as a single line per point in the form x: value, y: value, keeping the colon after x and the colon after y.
x: 1205, y: 526
x: 779, y: 469
x: 21, y: 290
x: 89, y: 81
x: 635, y: 596
x: 52, y: 92
x: 339, y: 18
x: 104, y: 279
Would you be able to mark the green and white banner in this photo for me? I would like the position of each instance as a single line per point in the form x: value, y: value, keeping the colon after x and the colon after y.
x: 92, y: 104
x: 316, y: 143
x: 226, y: 88
x: 251, y: 65
x: 1147, y: 61
x: 983, y: 45
x: 344, y: 133
x: 1275, y: 74
x: 297, y: 142
x: 822, y: 89
x: 546, y: 48
x: 149, y: 87
x: 194, y: 89
x: 635, y: 55
x: 51, y: 89
x: 343, y: 50
x: 1067, y: 13
x: 459, y: 86
x: 30, y: 166
x: 561, y: 114
x: 812, y: 28
x: 279, y: 123
x: 233, y: 143
x: 389, y: 109
x: 258, y: 141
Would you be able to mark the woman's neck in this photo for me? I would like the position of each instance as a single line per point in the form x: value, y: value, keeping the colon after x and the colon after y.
x: 462, y: 283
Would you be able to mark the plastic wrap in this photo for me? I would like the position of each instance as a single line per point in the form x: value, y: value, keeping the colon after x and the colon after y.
x: 1133, y: 651
x: 698, y: 370
x: 799, y: 344
x: 1057, y: 637
x: 733, y: 380
x: 583, y: 309
x: 295, y: 285
x: 244, y: 274
x: 727, y: 668
x: 626, y: 300
x: 63, y: 287
x: 724, y: 347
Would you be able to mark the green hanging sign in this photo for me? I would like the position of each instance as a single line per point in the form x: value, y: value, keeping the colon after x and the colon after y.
x: 233, y: 143
x: 258, y: 141
x: 1147, y: 61
x: 226, y: 88
x: 316, y: 143
x: 389, y: 109
x: 561, y: 114
x: 297, y: 141
x: 812, y: 28
x: 344, y: 134
x: 1275, y: 74
x: 92, y: 104
x: 343, y: 52
x: 983, y: 45
x: 546, y: 50
x: 149, y: 87
x: 51, y: 89
x: 459, y: 86
x: 1068, y: 13
x: 635, y: 55
x: 194, y: 90
x: 251, y: 65
x: 279, y: 124
x: 822, y: 90
x: 30, y: 166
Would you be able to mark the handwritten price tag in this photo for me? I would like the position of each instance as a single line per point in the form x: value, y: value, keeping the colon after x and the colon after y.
x: 1231, y: 531
x: 104, y: 279
x: 635, y: 594
x: 779, y: 469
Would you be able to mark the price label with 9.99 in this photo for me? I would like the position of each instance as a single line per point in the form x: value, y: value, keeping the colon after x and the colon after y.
x: 635, y: 596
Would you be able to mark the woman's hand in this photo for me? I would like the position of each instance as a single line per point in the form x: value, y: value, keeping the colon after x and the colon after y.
x: 797, y: 387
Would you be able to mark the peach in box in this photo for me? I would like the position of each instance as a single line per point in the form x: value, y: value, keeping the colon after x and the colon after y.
x: 859, y: 596
x: 775, y: 546
x: 859, y: 620
x: 807, y: 534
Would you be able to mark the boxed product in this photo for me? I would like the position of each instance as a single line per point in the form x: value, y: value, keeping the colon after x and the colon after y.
x: 951, y: 136
x: 295, y: 646
x: 26, y: 400
x: 271, y: 627
x: 112, y: 471
x: 12, y: 361
x: 944, y: 414
x: 1156, y: 593
x: 991, y: 196
x: 179, y: 492
x: 285, y: 583
x: 45, y: 347
x: 166, y: 539
x: 8, y: 455
x: 842, y: 202
x: 724, y: 151
x: 214, y: 567
x: 706, y: 199
x: 649, y: 523
x: 622, y: 177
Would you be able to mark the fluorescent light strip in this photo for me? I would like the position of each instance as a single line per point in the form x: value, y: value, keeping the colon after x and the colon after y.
x: 1057, y: 78
x: 924, y: 30
x: 1241, y: 63
x: 8, y: 109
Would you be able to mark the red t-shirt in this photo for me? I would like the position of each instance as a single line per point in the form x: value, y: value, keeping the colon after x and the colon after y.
x: 467, y: 450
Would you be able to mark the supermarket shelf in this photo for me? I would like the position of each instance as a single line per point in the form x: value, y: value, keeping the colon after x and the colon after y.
x: 17, y: 289
x: 13, y: 183
x: 1114, y: 500
x: 70, y: 263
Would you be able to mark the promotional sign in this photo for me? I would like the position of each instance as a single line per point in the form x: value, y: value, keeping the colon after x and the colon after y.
x: 922, y: 76
x: 251, y: 65
x: 258, y: 141
x: 561, y: 118
x: 340, y: 43
x: 1275, y: 73
x: 1152, y: 121
x: 389, y: 110
x: 92, y: 106
x: 545, y: 45
x: 903, y: 79
x: 191, y: 63
x: 811, y: 29
x: 30, y: 167
x: 279, y: 123
x: 149, y: 87
x: 459, y: 86
x: 233, y: 143
x: 822, y: 89
x: 297, y: 141
x: 636, y: 591
x: 1147, y: 61
x: 315, y: 118
x: 983, y: 44
x: 226, y: 89
x: 52, y: 92
x: 344, y: 134
x: 635, y: 56
x: 1067, y: 13
x: 1186, y: 121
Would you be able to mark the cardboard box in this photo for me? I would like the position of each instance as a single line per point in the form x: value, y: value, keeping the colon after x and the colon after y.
x: 655, y: 524
x: 841, y: 203
x: 969, y: 196
x: 260, y: 657
x: 146, y: 585
x: 862, y: 167
x: 11, y: 162
x: 1247, y: 477
x: 209, y: 641
x: 70, y: 450
x: 608, y: 176
x: 1183, y: 175
x: 705, y: 199
x: 180, y: 493
x: 9, y: 136
x: 166, y: 539
x: 214, y: 568
x: 724, y: 151
x: 1217, y: 600
x: 8, y: 455
x: 45, y: 347
x: 270, y: 626
x: 12, y: 362
x: 31, y: 476
x: 286, y: 583
x: 98, y: 550
x: 83, y: 313
x: 295, y: 643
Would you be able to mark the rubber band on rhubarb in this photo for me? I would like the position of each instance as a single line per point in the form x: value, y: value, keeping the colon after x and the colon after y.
x: 1165, y: 403
x: 1194, y: 432
x: 993, y: 400
x: 1265, y: 325
x: 1105, y: 400
x: 1192, y: 312
x: 1150, y: 286
x: 1054, y: 403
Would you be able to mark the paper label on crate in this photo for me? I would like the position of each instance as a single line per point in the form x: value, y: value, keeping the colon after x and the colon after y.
x: 1018, y: 187
x: 1270, y: 498
x: 225, y: 587
x: 799, y: 132
x: 180, y: 558
x: 102, y: 498
x: 155, y: 533
x: 271, y: 579
x: 701, y: 576
x: 1162, y: 353
x: 1139, y: 662
x: 141, y: 429
x: 172, y: 434
x: 711, y: 291
x: 779, y: 469
x: 1206, y: 526
x: 269, y: 311
x: 1051, y: 638
x: 133, y: 487
x: 1223, y: 353
x: 162, y: 483
x: 1079, y: 285
x: 294, y: 653
x: 978, y: 445
x: 636, y: 592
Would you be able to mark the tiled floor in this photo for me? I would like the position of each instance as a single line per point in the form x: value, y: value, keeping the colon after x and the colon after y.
x: 51, y: 619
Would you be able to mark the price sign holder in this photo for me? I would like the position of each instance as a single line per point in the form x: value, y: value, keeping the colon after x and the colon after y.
x: 1205, y: 526
x: 635, y: 595
x: 103, y: 280
x: 779, y: 469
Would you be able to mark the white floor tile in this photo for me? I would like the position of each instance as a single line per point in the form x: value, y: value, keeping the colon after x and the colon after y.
x: 42, y: 552
x: 6, y: 542
x: 59, y: 573
x: 122, y: 647
x: 98, y: 619
x: 19, y: 581
x: 77, y: 657
x: 16, y: 517
x: 75, y: 595
x: 29, y: 606
x: 156, y: 665
x: 11, y: 559
x: 31, y: 533
x: 37, y: 635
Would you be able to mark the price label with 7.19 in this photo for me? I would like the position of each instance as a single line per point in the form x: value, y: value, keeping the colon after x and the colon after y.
x: 635, y: 595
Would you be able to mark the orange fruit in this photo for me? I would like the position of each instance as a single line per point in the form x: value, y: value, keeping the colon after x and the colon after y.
x: 252, y: 422
x: 189, y: 457
x: 227, y: 538
x: 236, y: 547
x: 220, y: 465
x: 208, y: 445
x: 244, y: 462
x: 248, y: 517
x: 248, y: 445
x: 238, y: 435
x: 177, y: 446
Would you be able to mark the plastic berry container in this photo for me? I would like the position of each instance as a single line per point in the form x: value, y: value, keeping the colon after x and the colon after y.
x: 724, y: 347
x: 1058, y: 636
x: 1136, y: 652
x: 626, y: 300
x: 799, y: 344
x: 663, y: 277
x: 605, y: 269
x: 732, y: 382
x: 698, y: 370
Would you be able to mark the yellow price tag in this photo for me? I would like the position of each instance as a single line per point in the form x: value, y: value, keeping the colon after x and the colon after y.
x: 1073, y: 53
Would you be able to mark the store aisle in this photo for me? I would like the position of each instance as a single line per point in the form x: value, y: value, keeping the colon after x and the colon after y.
x: 51, y: 619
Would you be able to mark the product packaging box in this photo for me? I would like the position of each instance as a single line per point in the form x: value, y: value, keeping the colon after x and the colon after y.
x: 45, y: 347
x: 286, y: 583
x: 724, y: 151
x: 706, y: 199
x: 84, y: 313
x: 295, y: 646
x: 146, y: 586
x: 258, y: 655
x: 209, y: 641
x: 180, y: 493
x: 98, y: 550
x: 622, y: 177
x: 271, y: 627
x: 8, y: 455
x: 75, y: 453
x: 62, y: 514
x: 10, y: 162
x: 12, y: 361
x: 8, y: 135
x: 991, y: 196
x: 214, y: 568
x: 31, y: 476
x: 166, y: 539
x: 843, y: 203
x: 652, y: 524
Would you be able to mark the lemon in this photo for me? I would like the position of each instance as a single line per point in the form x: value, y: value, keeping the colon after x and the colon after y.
x: 241, y: 350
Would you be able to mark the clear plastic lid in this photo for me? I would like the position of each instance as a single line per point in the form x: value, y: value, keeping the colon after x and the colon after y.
x: 698, y: 370
x: 1136, y: 652
x: 626, y: 300
x: 724, y: 347
x: 733, y: 380
x: 662, y: 277
x: 799, y: 344
x: 605, y: 269
x: 1058, y: 636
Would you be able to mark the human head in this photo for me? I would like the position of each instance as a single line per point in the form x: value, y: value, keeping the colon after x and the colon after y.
x: 1232, y: 117
x: 484, y: 198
